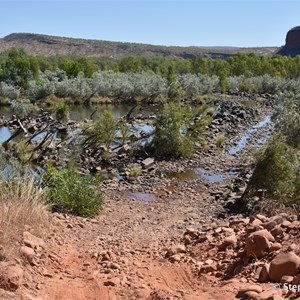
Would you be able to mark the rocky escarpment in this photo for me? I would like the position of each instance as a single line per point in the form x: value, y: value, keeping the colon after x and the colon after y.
x: 292, y: 42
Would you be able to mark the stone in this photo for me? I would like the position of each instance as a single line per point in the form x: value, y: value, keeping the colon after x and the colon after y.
x: 284, y: 264
x: 175, y: 258
x: 256, y: 222
x: 112, y: 282
x: 270, y: 294
x: 148, y: 162
x: 248, y: 295
x: 257, y: 243
x: 175, y: 249
x: 28, y: 253
x: 277, y: 231
x: 286, y: 279
x: 269, y: 225
x: 208, y: 269
x: 264, y: 273
x: 229, y: 240
x: 11, y: 277
x: 261, y: 217
x: 275, y: 247
x: 32, y: 241
x: 254, y: 287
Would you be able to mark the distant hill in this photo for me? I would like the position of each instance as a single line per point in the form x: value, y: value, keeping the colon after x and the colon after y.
x: 40, y: 44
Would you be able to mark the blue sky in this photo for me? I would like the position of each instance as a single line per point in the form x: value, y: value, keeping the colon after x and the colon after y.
x: 243, y: 23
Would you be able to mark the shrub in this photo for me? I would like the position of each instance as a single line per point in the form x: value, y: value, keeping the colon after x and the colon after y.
x: 135, y: 171
x: 101, y: 132
x: 177, y: 130
x: 71, y: 193
x: 62, y: 111
x: 276, y: 170
x: 219, y: 140
x: 22, y: 108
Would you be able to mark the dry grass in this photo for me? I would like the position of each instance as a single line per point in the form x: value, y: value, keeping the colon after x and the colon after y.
x: 22, y: 208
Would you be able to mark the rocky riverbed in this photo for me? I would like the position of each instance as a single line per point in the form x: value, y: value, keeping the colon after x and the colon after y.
x: 170, y: 233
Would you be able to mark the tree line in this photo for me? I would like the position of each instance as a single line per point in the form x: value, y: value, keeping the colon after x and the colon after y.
x: 18, y: 67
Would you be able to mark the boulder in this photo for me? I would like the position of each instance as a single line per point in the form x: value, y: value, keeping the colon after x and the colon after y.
x: 11, y: 277
x: 258, y: 243
x: 32, y: 241
x: 284, y: 264
x: 264, y: 273
x: 28, y: 253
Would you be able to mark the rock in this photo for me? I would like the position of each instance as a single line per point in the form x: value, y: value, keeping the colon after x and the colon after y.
x: 148, y: 162
x: 269, y: 225
x: 264, y: 273
x: 292, y: 42
x: 261, y: 217
x: 270, y: 294
x: 254, y: 287
x: 277, y: 231
x: 207, y: 269
x: 256, y: 222
x: 284, y: 264
x: 286, y: 279
x: 112, y: 282
x: 275, y: 247
x: 175, y: 258
x: 28, y: 253
x: 257, y: 243
x: 229, y: 240
x: 178, y: 248
x: 11, y: 277
x: 32, y: 241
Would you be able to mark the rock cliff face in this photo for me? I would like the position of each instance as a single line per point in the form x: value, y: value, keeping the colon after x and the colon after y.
x: 292, y: 43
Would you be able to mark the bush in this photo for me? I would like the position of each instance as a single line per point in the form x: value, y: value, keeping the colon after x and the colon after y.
x: 101, y: 132
x: 219, y: 140
x: 62, y: 112
x: 71, y: 193
x: 22, y: 108
x: 276, y: 171
x: 178, y: 129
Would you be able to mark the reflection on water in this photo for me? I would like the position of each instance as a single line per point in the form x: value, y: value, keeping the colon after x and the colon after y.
x: 5, y: 134
x: 197, y: 173
x: 79, y: 113
x: 243, y: 141
x: 137, y: 196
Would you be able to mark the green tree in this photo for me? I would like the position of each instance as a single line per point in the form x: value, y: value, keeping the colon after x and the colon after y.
x: 19, y: 67
x: 101, y: 132
x: 177, y: 130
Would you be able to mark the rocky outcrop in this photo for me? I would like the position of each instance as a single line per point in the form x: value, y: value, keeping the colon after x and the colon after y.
x: 292, y: 43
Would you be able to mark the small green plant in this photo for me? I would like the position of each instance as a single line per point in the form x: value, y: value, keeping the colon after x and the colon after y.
x: 62, y: 111
x: 135, y: 171
x: 276, y: 171
x: 101, y: 132
x: 219, y: 140
x: 178, y: 130
x: 69, y: 192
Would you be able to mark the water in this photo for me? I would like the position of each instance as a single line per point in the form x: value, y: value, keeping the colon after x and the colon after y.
x: 243, y: 141
x: 138, y: 196
x: 80, y: 113
x: 5, y: 134
x: 197, y: 173
x: 209, y: 176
